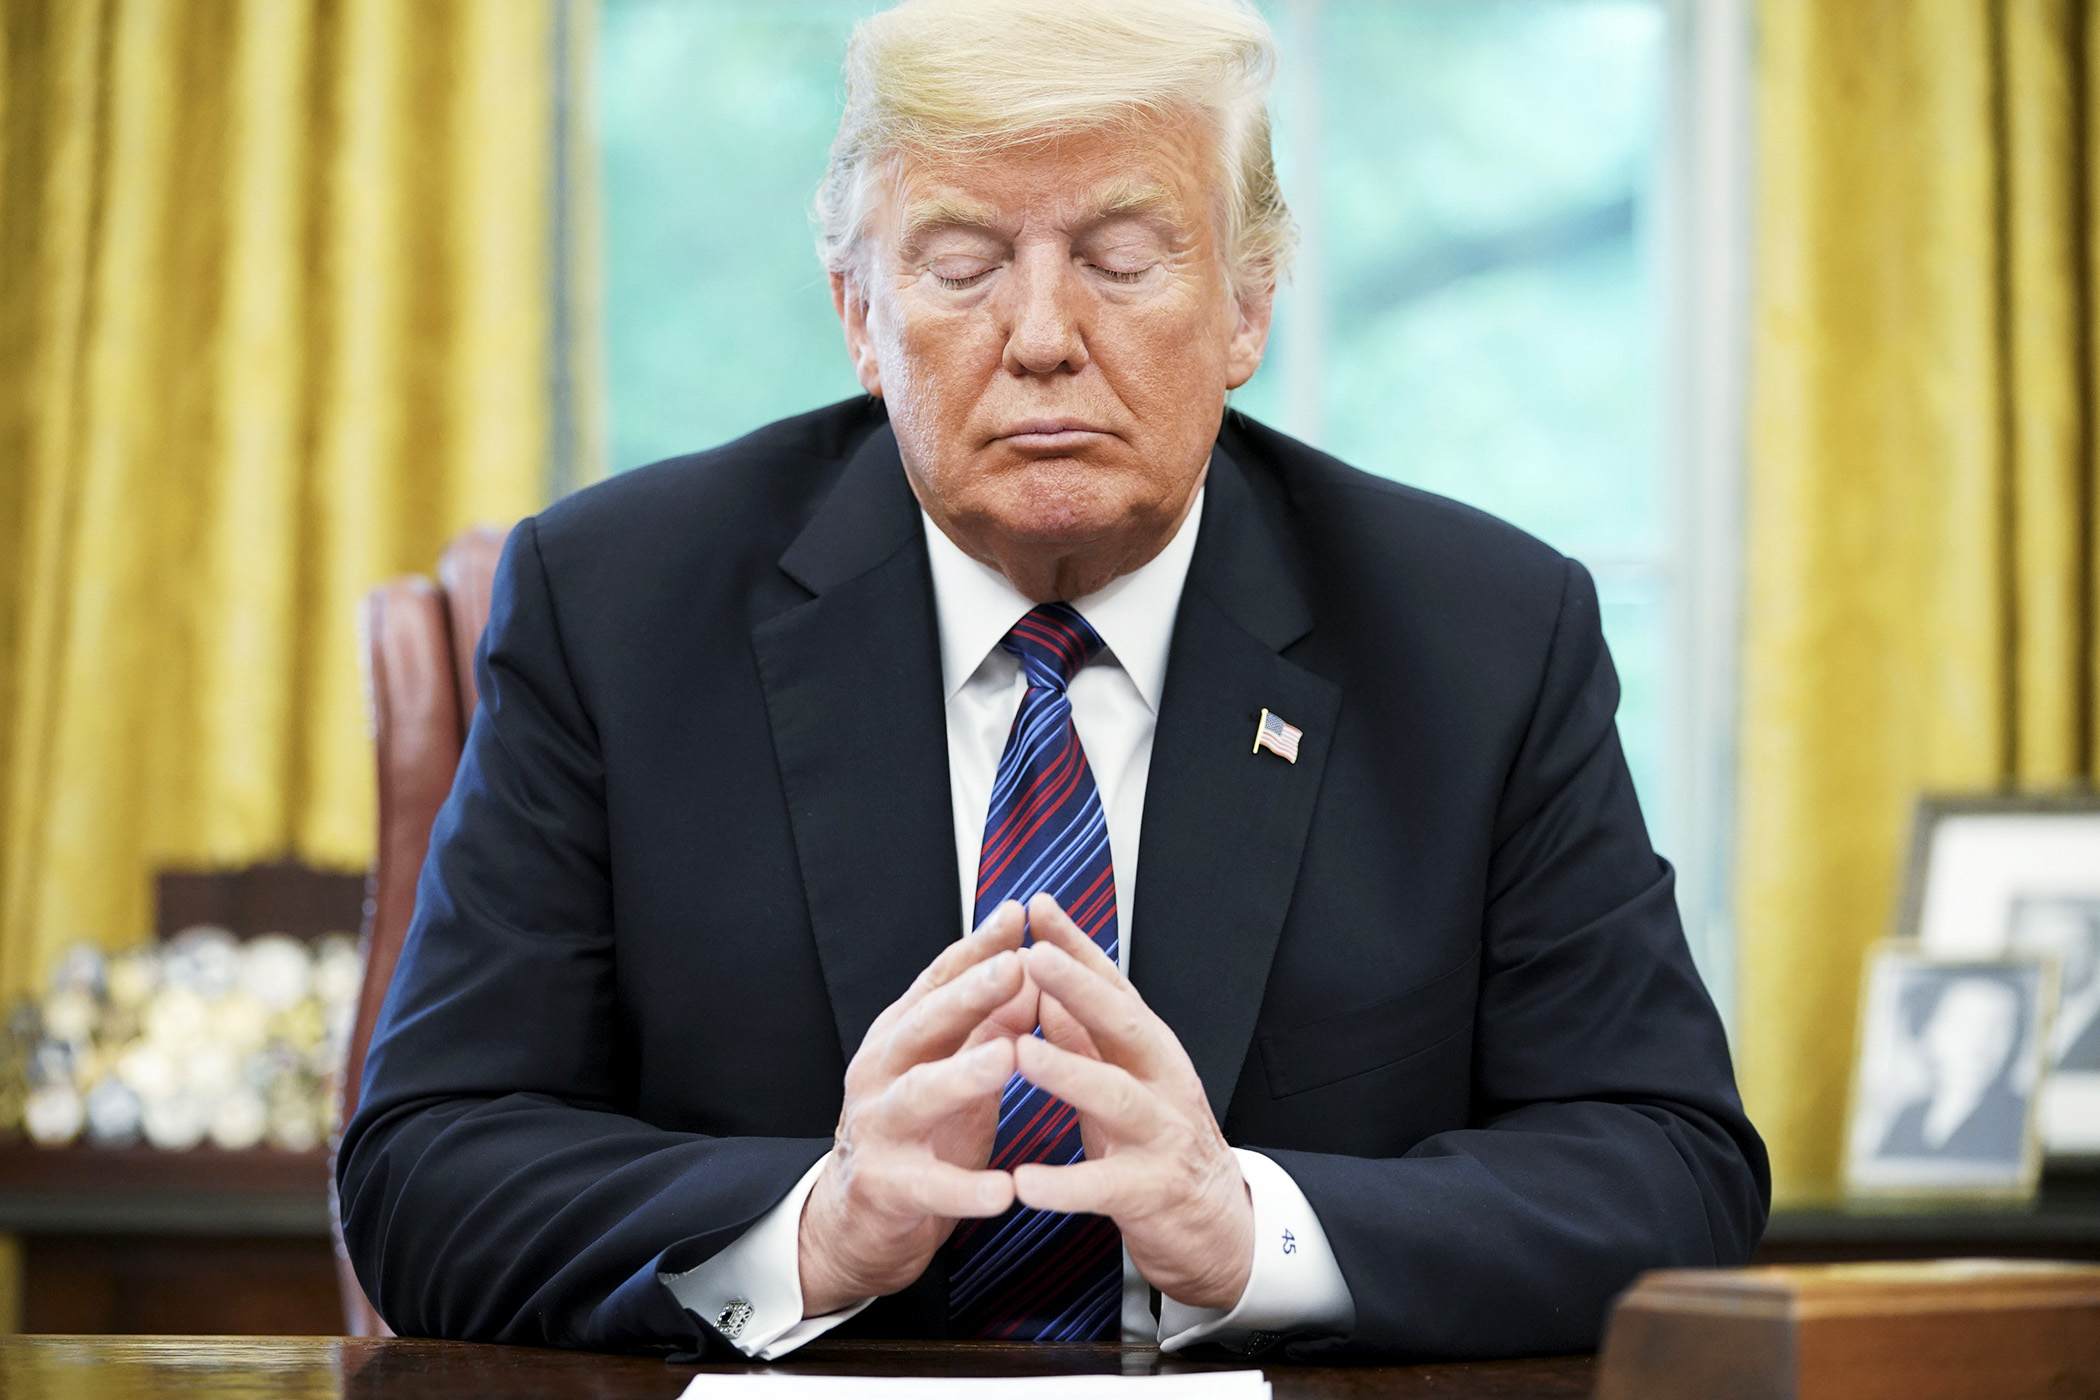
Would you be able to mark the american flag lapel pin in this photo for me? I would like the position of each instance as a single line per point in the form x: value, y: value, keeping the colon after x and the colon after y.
x: 1277, y: 737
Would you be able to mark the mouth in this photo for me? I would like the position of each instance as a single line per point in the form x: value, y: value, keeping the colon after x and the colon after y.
x: 1050, y: 434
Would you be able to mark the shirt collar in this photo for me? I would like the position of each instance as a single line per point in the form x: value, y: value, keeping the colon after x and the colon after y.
x: 1133, y: 614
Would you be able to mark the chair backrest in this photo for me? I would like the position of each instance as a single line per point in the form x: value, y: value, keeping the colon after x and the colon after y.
x: 420, y: 639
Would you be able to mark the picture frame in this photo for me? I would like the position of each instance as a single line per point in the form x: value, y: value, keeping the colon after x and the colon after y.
x: 1946, y: 1084
x: 1991, y: 875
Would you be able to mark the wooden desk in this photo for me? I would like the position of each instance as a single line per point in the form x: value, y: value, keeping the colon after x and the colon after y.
x: 325, y: 1368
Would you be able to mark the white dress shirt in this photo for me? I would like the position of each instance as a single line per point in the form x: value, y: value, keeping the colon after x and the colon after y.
x: 752, y: 1290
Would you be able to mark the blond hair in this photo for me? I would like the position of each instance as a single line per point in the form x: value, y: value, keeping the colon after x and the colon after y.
x: 948, y: 78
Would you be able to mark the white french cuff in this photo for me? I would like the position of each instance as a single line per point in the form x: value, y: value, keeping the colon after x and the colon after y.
x: 751, y: 1292
x: 1294, y: 1285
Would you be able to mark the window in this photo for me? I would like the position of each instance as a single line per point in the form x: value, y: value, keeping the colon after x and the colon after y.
x: 714, y: 120
x: 1513, y: 287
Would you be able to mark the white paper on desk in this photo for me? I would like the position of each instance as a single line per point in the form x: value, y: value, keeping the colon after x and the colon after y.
x: 775, y: 1385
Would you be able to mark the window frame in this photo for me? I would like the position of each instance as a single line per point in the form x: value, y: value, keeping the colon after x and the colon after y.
x: 1705, y: 239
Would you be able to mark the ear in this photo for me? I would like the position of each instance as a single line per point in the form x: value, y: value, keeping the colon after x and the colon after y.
x: 846, y: 299
x: 1256, y: 303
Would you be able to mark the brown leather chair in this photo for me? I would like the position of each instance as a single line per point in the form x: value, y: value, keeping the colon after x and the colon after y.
x: 420, y: 638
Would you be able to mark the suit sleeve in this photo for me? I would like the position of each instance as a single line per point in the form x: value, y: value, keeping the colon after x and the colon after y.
x: 1606, y: 1135
x: 495, y: 1183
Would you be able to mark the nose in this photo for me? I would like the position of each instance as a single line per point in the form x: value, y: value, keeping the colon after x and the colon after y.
x: 1044, y: 335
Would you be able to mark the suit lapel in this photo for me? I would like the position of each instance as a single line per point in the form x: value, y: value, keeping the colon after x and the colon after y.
x: 852, y: 680
x: 1225, y: 827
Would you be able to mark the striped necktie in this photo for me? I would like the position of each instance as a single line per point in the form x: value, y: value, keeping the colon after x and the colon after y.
x: 1034, y: 1275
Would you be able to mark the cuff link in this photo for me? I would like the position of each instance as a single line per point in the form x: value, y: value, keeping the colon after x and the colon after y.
x: 730, y: 1322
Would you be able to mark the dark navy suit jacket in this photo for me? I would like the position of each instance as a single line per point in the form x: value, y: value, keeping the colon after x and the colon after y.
x: 701, y: 835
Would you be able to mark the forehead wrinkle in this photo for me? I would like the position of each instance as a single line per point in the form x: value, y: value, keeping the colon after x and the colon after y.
x: 1122, y: 198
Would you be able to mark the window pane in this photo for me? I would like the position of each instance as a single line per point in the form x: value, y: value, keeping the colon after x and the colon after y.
x: 1478, y: 240
x: 714, y: 118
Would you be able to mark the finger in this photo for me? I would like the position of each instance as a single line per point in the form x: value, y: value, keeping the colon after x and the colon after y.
x: 1062, y: 1029
x: 938, y: 1024
x: 920, y: 1099
x: 1113, y: 1100
x: 1017, y: 1016
x: 1122, y: 1027
x: 933, y: 1187
x: 1049, y: 923
x: 1094, y: 1188
x: 1000, y: 932
x: 1003, y: 929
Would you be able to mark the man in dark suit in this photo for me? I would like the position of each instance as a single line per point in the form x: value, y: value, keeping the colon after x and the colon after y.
x: 1318, y: 983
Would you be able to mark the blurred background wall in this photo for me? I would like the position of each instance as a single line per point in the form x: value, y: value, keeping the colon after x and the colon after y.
x: 279, y: 291
x: 1778, y: 313
x: 1920, y: 606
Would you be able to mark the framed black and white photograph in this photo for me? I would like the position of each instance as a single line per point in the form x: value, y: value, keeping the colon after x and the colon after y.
x: 2005, y: 875
x: 1952, y: 1053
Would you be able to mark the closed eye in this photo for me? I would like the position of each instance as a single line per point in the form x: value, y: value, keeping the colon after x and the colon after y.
x: 956, y: 284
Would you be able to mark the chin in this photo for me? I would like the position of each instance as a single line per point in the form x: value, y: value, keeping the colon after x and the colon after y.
x: 1060, y: 511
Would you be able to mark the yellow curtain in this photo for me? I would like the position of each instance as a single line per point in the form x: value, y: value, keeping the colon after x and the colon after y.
x: 1921, y: 609
x: 274, y: 324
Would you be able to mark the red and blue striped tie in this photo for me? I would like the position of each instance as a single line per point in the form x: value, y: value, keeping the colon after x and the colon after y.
x: 1038, y: 1275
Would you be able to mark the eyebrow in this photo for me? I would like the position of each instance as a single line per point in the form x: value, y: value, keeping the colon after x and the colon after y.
x: 942, y: 211
x: 1123, y: 199
x: 1128, y: 198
